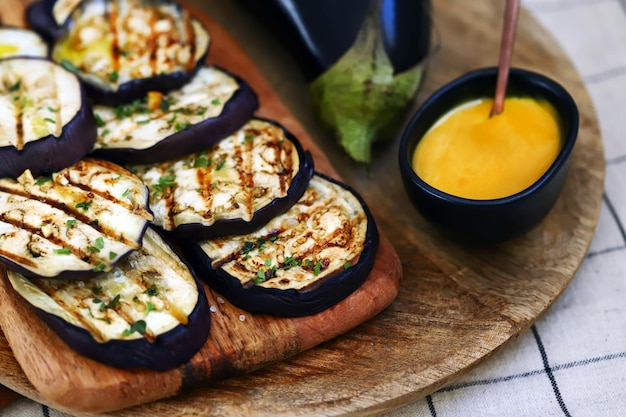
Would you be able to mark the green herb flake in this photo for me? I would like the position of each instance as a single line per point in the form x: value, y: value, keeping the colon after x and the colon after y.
x: 248, y: 137
x: 152, y: 291
x: 71, y: 222
x: 318, y: 268
x: 182, y: 126
x: 347, y: 265
x: 268, y: 262
x: 15, y: 87
x: 100, y: 266
x: 112, y: 255
x: 52, y: 109
x: 84, y: 205
x: 113, y: 76
x: 201, y: 162
x: 99, y: 121
x: 93, y: 249
x: 105, y: 132
x: 63, y: 251
x: 220, y: 165
x: 43, y: 180
x: 69, y: 66
x: 100, y: 242
x: 216, y: 101
x: 150, y: 307
x: 49, y: 120
x: 139, y: 326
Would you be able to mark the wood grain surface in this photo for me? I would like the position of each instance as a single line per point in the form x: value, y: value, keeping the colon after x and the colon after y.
x: 456, y: 304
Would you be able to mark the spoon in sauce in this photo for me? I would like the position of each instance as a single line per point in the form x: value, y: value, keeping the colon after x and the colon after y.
x: 511, y: 14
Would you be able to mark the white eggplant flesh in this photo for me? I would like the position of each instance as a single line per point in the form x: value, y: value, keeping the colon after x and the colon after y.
x: 75, y: 223
x: 233, y: 187
x: 159, y: 127
x: 46, y: 121
x: 16, y: 41
x: 149, y: 311
x: 122, y: 49
x: 301, y: 262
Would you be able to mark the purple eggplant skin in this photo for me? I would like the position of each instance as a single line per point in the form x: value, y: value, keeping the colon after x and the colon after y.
x: 137, y: 89
x: 405, y: 29
x: 237, y: 111
x: 290, y: 303
x: 39, y: 17
x: 197, y: 232
x: 168, y: 351
x: 50, y: 154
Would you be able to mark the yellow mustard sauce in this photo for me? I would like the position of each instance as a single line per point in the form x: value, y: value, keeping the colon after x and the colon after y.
x: 471, y: 155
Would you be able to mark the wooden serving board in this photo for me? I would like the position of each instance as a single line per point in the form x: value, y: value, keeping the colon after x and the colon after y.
x: 456, y: 304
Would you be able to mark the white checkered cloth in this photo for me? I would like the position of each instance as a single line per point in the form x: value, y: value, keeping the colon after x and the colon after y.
x: 573, y: 360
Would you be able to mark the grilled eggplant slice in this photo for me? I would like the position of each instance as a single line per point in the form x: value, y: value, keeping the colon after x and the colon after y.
x: 302, y: 261
x: 149, y: 311
x: 16, y: 41
x: 75, y: 223
x: 234, y: 187
x: 122, y: 49
x: 46, y: 122
x: 160, y: 127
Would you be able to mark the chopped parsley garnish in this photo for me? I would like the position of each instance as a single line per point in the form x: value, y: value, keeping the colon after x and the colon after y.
x: 215, y: 101
x: 125, y: 193
x: 152, y: 291
x: 84, y: 205
x: 113, y: 76
x: 49, y: 120
x: 100, y: 266
x: 105, y: 132
x: 318, y: 268
x: 347, y: 265
x: 15, y: 87
x: 139, y: 326
x: 63, y: 251
x: 202, y: 110
x: 201, y: 162
x: 164, y: 183
x: 99, y: 121
x: 112, y: 255
x: 71, y: 222
x: 52, y: 109
x: 143, y: 122
x: 125, y: 54
x: 220, y: 165
x: 178, y: 126
x: 68, y: 65
x: 93, y: 249
x: 248, y: 137
x: 150, y: 307
x: 100, y: 242
x: 164, y: 105
x: 43, y: 180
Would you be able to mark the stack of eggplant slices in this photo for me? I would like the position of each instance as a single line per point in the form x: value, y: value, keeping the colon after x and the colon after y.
x: 132, y: 171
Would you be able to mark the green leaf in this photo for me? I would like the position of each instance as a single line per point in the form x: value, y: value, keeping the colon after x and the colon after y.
x: 360, y: 97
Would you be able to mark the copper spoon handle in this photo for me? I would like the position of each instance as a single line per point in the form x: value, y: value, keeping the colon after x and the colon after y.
x: 506, y: 53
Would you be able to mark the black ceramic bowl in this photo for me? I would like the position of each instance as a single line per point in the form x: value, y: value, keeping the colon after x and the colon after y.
x: 496, y: 220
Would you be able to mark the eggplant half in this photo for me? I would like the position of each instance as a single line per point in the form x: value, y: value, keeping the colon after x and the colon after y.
x: 301, y: 262
x: 16, y: 41
x: 46, y: 122
x: 234, y: 187
x: 76, y: 223
x: 161, y: 127
x: 122, y: 49
x: 149, y: 311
